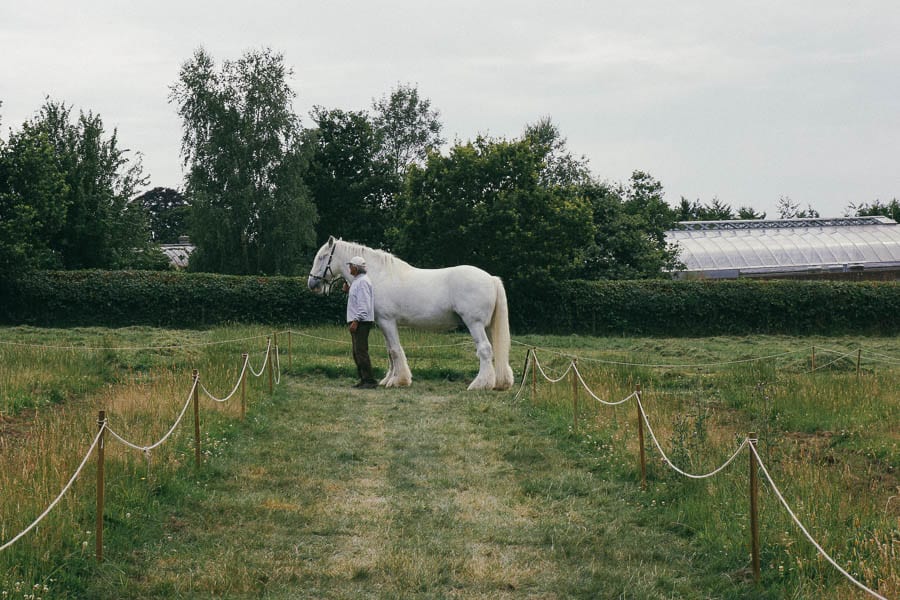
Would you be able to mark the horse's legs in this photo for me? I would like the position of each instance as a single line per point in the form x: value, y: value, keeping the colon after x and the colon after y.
x: 398, y: 374
x: 485, y: 352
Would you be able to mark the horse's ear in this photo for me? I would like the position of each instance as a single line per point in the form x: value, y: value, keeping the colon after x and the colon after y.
x: 330, y: 241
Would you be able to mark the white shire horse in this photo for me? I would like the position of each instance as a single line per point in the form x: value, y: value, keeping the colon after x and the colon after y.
x: 436, y: 299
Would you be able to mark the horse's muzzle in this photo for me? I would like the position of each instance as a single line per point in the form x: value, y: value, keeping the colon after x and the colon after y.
x: 316, y: 285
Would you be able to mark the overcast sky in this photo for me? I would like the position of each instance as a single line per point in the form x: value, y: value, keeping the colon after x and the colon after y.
x: 743, y: 101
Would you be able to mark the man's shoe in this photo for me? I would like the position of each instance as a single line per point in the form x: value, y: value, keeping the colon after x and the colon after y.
x: 368, y: 385
x: 358, y: 384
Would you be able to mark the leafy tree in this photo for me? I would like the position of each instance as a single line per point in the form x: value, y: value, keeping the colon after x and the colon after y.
x: 643, y: 197
x: 167, y: 212
x: 408, y: 128
x: 102, y: 227
x: 488, y: 204
x: 352, y: 186
x: 33, y: 200
x: 718, y: 211
x: 630, y: 222
x: 687, y: 210
x: 696, y: 211
x: 788, y: 209
x: 560, y: 166
x: 251, y: 212
x: 749, y: 213
x: 890, y: 209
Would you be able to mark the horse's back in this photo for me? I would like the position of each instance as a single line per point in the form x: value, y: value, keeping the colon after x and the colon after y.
x: 436, y: 298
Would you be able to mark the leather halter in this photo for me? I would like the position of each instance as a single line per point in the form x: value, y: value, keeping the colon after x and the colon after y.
x: 327, y: 283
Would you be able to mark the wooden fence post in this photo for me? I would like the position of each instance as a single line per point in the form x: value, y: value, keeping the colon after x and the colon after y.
x: 290, y: 352
x: 197, y: 418
x: 575, y: 395
x: 858, y: 360
x: 814, y: 359
x: 525, y: 366
x: 641, y: 437
x: 244, y: 386
x: 101, y: 422
x: 269, y: 362
x: 754, y: 510
x: 533, y: 375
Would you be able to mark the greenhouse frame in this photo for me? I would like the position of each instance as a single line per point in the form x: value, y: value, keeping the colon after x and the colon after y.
x: 853, y: 248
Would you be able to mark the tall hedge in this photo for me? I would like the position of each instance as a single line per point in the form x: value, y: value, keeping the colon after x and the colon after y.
x: 710, y: 307
x: 167, y: 299
x: 676, y: 308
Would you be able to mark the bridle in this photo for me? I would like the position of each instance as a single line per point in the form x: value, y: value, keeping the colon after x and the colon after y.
x: 326, y: 282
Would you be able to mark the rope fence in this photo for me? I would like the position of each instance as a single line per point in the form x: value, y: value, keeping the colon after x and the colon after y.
x: 98, y: 443
x: 128, y: 348
x: 802, y: 354
x: 532, y: 363
x: 56, y: 500
x: 271, y: 366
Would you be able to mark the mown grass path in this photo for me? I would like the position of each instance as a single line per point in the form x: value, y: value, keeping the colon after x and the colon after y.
x: 427, y: 492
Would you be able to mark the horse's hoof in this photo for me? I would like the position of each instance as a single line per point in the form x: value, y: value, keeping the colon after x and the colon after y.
x: 480, y: 385
x: 504, y: 383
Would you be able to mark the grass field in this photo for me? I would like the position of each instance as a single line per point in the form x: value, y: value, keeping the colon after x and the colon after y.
x: 430, y: 491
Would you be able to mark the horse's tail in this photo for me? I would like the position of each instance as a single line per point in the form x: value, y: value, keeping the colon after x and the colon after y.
x: 500, y: 339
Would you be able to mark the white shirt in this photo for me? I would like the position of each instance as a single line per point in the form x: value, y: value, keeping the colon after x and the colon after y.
x: 361, y: 300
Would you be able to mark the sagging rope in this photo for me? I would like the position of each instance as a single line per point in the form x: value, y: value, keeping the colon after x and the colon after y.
x: 277, y: 364
x: 541, y: 369
x: 129, y: 348
x: 884, y: 357
x: 595, y: 396
x: 236, y: 385
x: 661, y: 366
x: 806, y: 533
x: 637, y: 397
x: 146, y: 449
x: 61, y: 494
x: 670, y: 464
x: 262, y: 369
x: 828, y: 364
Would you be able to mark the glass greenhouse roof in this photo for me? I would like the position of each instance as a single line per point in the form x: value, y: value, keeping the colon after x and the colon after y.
x: 731, y: 248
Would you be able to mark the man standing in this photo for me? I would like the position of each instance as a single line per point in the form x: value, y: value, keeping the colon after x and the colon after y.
x: 360, y: 315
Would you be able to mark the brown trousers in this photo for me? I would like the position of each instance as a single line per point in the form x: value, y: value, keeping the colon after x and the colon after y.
x: 360, y: 339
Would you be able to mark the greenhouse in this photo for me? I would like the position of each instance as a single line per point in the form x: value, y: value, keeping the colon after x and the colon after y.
x: 178, y: 254
x: 853, y: 248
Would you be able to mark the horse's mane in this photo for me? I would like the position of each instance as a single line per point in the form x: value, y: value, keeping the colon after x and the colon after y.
x: 386, y: 259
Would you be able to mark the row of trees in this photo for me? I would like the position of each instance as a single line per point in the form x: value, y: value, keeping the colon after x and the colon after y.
x: 265, y: 192
x: 262, y: 192
x: 787, y: 209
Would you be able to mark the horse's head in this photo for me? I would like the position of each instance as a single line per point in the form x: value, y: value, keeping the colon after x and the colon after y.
x: 322, y: 274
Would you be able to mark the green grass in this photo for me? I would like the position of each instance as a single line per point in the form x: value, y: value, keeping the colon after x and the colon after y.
x: 430, y: 491
x: 829, y: 437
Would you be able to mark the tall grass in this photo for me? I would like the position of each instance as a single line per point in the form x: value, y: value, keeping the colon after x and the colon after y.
x: 829, y: 437
x: 53, y: 384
